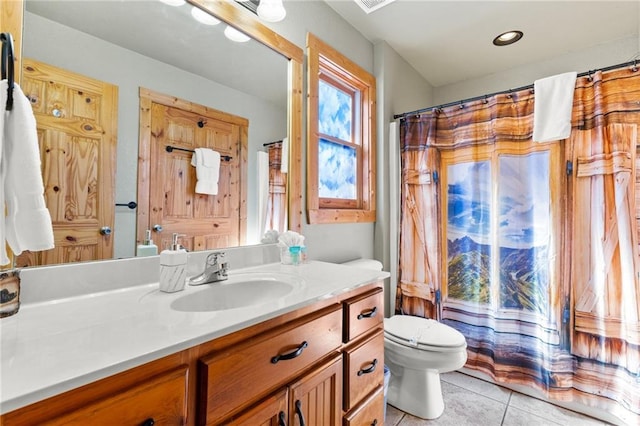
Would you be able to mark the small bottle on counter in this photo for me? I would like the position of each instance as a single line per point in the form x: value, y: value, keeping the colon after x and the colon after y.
x: 303, y: 254
x: 147, y: 248
x: 294, y: 252
x: 173, y: 267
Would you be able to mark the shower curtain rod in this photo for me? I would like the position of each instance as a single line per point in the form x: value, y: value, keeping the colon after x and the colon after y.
x: 529, y: 86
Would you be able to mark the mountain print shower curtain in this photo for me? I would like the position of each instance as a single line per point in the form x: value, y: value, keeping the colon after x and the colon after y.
x: 531, y: 249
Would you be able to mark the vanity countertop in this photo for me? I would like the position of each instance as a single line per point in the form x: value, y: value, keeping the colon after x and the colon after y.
x: 50, y: 347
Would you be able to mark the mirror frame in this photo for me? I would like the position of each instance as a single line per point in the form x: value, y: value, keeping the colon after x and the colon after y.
x: 243, y: 20
x: 12, y: 20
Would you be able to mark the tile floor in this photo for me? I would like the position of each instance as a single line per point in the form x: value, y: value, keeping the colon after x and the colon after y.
x: 470, y: 401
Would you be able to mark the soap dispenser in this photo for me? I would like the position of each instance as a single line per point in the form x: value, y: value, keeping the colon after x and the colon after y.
x: 147, y: 248
x: 173, y: 267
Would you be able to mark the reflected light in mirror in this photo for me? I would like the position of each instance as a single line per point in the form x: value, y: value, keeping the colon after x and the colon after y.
x: 173, y: 2
x: 235, y: 35
x: 203, y: 17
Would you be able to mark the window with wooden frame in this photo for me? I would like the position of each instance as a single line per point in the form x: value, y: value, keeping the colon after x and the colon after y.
x: 341, y: 137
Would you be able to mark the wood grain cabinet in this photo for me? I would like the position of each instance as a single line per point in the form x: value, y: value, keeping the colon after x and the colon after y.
x: 320, y: 365
x: 363, y: 353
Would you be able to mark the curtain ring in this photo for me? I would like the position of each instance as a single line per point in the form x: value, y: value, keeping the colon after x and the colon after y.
x: 461, y: 105
x: 590, y: 77
x: 634, y: 68
x: 485, y: 100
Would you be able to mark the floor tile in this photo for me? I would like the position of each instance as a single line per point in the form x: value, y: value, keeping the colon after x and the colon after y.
x: 462, y: 408
x: 551, y: 412
x: 393, y: 416
x: 476, y: 385
x: 517, y: 417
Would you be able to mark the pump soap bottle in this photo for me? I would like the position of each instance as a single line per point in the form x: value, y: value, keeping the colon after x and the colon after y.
x: 173, y: 267
x: 147, y: 248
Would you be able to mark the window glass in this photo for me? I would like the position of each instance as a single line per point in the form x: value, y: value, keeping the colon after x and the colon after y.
x: 335, y: 112
x: 337, y: 176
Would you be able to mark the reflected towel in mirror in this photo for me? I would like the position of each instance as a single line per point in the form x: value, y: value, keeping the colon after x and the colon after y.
x: 207, y: 164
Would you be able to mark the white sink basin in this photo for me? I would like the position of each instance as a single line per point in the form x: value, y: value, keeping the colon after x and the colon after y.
x: 240, y: 290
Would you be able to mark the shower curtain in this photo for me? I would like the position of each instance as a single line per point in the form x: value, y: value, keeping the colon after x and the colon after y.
x: 531, y: 249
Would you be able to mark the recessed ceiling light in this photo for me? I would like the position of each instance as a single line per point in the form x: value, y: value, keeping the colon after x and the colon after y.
x: 508, y: 38
x: 203, y: 17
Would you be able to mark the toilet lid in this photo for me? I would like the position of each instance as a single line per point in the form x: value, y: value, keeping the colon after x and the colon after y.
x: 423, y: 331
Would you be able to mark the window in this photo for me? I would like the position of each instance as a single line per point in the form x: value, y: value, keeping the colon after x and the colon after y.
x: 341, y: 135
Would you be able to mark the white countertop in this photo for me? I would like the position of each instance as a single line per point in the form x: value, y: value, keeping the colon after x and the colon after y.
x: 50, y: 347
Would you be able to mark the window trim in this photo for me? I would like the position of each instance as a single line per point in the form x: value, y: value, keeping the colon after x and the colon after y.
x: 324, y: 62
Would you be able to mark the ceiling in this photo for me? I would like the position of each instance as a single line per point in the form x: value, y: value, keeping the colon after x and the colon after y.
x: 451, y: 41
x: 171, y: 35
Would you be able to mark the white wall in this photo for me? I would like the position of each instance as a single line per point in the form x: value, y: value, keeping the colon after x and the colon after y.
x: 58, y: 45
x: 599, y: 56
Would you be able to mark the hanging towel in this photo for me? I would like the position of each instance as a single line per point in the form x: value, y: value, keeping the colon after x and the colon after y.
x: 207, y: 164
x: 552, y: 108
x: 27, y: 224
x: 284, y: 156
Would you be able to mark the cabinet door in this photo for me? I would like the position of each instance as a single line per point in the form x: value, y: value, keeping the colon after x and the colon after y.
x: 315, y: 398
x: 161, y: 400
x: 272, y: 411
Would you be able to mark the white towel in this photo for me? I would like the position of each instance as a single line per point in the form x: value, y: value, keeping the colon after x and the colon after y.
x: 207, y: 164
x: 284, y: 156
x: 552, y: 108
x: 27, y: 225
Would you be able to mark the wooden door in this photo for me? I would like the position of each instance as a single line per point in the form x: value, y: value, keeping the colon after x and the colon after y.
x: 317, y: 397
x: 77, y: 131
x: 168, y: 196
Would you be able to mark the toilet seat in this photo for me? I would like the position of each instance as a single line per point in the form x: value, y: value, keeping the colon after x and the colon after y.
x: 423, y: 334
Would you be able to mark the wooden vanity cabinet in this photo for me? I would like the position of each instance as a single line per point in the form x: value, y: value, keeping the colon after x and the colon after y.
x: 323, y: 362
x: 314, y: 399
x: 231, y: 378
x: 363, y: 358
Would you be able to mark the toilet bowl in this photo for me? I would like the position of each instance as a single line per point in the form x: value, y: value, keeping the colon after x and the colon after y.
x: 417, y: 350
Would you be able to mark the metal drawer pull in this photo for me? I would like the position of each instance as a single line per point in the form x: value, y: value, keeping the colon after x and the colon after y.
x: 369, y: 314
x: 369, y: 369
x: 148, y: 422
x: 281, y: 418
x: 375, y: 422
x: 299, y: 412
x: 290, y: 355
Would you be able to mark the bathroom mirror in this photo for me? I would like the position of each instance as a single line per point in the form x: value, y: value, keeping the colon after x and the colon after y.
x: 163, y: 48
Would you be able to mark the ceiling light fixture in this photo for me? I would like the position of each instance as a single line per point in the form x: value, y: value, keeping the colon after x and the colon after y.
x: 507, y: 38
x: 235, y: 35
x: 271, y: 10
x: 203, y: 17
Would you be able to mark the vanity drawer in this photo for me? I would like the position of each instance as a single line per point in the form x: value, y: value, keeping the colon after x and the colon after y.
x: 363, y: 313
x: 363, y: 369
x: 161, y: 400
x: 233, y: 377
x: 369, y: 413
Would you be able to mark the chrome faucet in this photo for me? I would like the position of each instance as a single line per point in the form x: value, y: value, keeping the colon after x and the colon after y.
x: 215, y: 270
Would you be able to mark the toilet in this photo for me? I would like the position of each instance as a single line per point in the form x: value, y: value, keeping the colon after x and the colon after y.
x: 416, y: 351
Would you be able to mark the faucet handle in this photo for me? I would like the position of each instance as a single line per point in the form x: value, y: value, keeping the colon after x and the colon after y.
x: 213, y: 258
